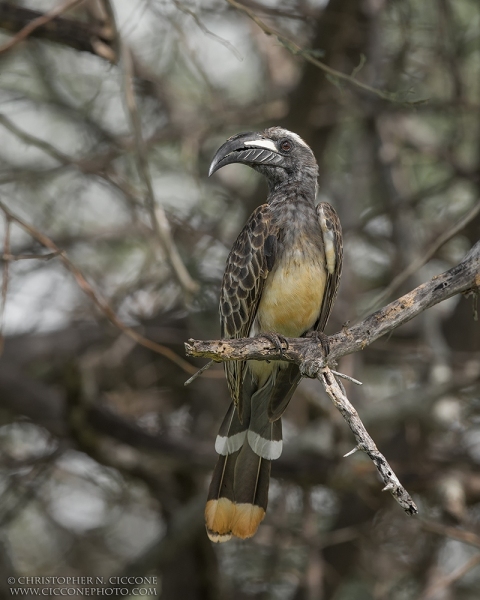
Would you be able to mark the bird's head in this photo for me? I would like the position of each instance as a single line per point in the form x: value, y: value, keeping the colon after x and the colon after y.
x: 279, y: 154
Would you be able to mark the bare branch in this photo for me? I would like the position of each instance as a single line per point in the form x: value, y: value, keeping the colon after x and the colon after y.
x: 38, y: 22
x: 421, y: 260
x: 6, y: 251
x: 295, y: 49
x: 461, y: 535
x: 206, y: 31
x: 73, y: 33
x: 34, y: 141
x: 461, y: 278
x: 99, y: 300
x: 309, y: 355
x: 365, y: 442
x: 15, y: 257
x: 444, y: 582
x: 157, y: 215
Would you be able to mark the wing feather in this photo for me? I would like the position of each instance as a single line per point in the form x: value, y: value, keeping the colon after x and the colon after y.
x: 248, y: 264
x: 333, y: 245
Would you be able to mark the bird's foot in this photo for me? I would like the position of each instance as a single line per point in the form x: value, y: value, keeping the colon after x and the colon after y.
x: 277, y: 340
x: 321, y: 338
x: 312, y: 363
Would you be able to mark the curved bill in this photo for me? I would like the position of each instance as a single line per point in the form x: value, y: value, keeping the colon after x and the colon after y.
x: 247, y: 148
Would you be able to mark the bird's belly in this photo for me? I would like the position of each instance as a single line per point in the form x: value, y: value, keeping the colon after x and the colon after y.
x: 292, y: 297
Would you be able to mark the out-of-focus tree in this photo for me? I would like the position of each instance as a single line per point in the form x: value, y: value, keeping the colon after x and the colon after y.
x: 113, y: 250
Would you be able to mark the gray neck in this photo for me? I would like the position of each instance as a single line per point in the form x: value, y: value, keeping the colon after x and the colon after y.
x: 304, y: 188
x: 290, y: 183
x: 294, y: 213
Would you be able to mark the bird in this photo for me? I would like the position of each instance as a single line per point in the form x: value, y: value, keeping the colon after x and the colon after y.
x: 281, y: 280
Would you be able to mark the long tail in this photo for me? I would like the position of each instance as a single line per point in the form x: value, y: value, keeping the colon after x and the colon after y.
x: 220, y: 508
x: 238, y: 494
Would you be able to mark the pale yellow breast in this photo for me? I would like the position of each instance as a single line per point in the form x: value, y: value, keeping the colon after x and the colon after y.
x: 292, y: 296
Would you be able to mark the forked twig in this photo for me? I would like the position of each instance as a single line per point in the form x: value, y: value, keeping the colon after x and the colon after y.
x: 365, y: 442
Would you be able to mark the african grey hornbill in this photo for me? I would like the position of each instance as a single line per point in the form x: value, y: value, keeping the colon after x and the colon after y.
x: 281, y: 279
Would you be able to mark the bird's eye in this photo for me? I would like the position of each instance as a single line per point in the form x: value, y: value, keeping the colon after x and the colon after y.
x: 286, y: 145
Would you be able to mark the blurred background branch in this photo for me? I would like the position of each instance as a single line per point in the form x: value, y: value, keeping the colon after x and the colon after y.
x: 26, y: 22
x: 40, y: 21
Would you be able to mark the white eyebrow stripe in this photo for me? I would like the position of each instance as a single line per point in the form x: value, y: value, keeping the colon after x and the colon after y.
x: 297, y: 138
x: 268, y: 144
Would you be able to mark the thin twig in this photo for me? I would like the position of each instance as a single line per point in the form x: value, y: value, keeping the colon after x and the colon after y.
x: 15, y: 257
x: 198, y: 373
x: 32, y: 140
x: 461, y: 535
x: 347, y: 377
x: 365, y: 442
x: 444, y: 582
x: 99, y: 300
x: 38, y: 22
x: 421, y: 260
x: 6, y: 250
x: 295, y: 49
x: 207, y: 31
x: 157, y: 215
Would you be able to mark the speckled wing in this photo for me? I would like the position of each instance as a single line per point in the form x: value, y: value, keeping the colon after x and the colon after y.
x: 333, y: 245
x: 248, y: 264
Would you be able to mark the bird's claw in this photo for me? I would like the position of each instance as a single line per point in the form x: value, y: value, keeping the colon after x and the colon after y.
x: 277, y: 340
x: 322, y: 339
x: 312, y: 363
